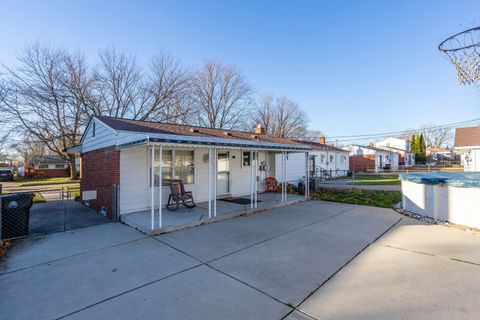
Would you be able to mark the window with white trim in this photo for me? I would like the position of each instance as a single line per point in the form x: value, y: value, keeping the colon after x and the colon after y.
x: 179, y: 164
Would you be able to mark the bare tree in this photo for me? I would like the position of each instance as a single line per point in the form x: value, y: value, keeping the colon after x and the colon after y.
x: 44, y: 98
x: 436, y: 137
x: 221, y: 96
x: 281, y: 117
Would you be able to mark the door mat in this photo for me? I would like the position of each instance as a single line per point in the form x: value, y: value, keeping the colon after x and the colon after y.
x: 242, y: 201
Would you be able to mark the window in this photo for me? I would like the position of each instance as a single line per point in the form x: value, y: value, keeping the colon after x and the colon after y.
x: 331, y: 158
x: 343, y: 158
x: 184, y: 166
x: 59, y: 166
x: 246, y: 158
x: 43, y: 166
x: 93, y: 129
x: 322, y: 158
x: 179, y: 161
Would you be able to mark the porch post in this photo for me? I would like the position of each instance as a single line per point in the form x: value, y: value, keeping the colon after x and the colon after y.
x: 286, y: 161
x: 160, y: 155
x: 215, y: 174
x: 307, y: 177
x: 209, y: 183
x: 283, y: 174
x: 152, y: 187
x: 251, y: 179
x: 255, y: 180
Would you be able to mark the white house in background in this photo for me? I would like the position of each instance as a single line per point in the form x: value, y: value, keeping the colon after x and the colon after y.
x: 402, y: 146
x: 324, y: 160
x: 467, y: 142
x: 370, y: 158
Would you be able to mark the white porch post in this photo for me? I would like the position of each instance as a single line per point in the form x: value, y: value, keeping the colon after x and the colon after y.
x: 152, y: 188
x: 160, y: 156
x: 255, y: 181
x: 251, y: 179
x: 286, y: 161
x: 307, y: 178
x: 283, y: 175
x: 215, y: 174
x: 209, y: 183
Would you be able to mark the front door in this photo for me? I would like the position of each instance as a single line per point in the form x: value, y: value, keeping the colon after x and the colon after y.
x: 223, y: 177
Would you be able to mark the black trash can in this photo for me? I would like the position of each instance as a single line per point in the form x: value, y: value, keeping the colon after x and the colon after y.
x: 15, y: 214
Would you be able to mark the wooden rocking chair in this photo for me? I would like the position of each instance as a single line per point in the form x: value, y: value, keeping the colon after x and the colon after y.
x: 177, y: 195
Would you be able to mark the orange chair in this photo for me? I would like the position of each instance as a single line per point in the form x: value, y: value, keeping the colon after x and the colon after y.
x: 271, y: 184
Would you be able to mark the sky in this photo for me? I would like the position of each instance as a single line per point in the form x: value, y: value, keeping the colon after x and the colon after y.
x: 355, y: 67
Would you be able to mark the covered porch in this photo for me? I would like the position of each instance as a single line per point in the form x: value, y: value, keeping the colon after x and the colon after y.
x: 184, y: 218
x: 225, y: 179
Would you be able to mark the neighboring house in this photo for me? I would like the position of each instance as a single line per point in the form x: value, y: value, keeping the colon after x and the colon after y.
x: 118, y: 152
x: 467, y: 143
x: 370, y: 158
x: 401, y: 146
x: 324, y: 160
x: 50, y: 166
x: 4, y: 166
x: 442, y: 155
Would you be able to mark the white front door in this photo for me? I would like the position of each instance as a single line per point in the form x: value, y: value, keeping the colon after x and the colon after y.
x: 223, y: 177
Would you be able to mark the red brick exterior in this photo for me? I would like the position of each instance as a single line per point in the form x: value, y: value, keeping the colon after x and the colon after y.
x: 101, y: 172
x: 53, y: 173
x: 362, y: 163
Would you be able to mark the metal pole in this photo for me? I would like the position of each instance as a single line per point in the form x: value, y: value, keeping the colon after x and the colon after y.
x: 286, y: 162
x: 209, y: 183
x: 215, y: 164
x: 251, y: 179
x: 255, y: 180
x: 152, y: 185
x: 283, y: 175
x: 160, y: 176
x: 307, y: 181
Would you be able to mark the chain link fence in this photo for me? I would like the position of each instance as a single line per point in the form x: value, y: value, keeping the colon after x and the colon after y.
x: 45, y: 211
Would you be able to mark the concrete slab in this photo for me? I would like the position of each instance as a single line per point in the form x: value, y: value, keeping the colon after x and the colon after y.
x: 438, y: 240
x: 292, y: 266
x: 387, y: 283
x: 200, y: 293
x: 373, y: 213
x: 59, y: 288
x: 216, y: 240
x: 32, y: 251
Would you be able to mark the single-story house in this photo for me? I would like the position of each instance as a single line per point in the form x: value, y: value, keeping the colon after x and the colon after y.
x: 467, y: 142
x: 442, y: 155
x: 324, y: 161
x: 370, y: 158
x: 124, y: 155
x: 50, y: 166
x: 402, y: 146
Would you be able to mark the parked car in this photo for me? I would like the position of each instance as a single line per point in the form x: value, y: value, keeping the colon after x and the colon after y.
x: 6, y: 175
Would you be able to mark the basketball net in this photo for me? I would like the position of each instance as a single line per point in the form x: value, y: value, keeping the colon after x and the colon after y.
x: 463, y: 50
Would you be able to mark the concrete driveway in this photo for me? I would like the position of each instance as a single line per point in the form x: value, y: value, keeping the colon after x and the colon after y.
x: 315, y: 260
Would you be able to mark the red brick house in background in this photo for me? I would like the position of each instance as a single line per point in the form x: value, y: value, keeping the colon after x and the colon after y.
x: 50, y: 167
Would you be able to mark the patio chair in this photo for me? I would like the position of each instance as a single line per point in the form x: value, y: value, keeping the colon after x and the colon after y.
x: 179, y: 195
x: 271, y: 184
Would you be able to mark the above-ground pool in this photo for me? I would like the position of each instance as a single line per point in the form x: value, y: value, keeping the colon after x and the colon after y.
x: 445, y: 196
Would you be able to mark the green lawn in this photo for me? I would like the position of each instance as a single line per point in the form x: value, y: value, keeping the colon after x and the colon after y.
x: 44, y: 181
x: 373, y: 179
x: 376, y: 198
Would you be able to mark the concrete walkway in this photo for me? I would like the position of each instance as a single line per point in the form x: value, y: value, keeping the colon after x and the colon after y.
x: 314, y: 260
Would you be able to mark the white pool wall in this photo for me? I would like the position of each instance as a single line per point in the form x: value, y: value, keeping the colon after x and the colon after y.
x: 442, y: 202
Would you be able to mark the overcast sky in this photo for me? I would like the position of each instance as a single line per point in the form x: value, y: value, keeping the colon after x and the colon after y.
x: 354, y: 66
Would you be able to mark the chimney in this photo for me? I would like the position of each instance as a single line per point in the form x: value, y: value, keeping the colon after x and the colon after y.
x: 322, y: 140
x: 260, y: 130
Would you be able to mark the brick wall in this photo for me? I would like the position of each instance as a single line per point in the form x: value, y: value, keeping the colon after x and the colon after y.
x: 101, y: 171
x: 53, y: 173
x: 362, y: 162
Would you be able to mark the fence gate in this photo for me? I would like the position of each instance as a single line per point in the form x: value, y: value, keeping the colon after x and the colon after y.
x: 53, y: 210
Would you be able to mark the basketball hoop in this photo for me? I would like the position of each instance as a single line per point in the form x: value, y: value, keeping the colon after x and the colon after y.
x: 463, y: 50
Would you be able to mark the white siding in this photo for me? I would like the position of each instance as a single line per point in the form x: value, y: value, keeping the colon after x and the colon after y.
x: 295, y: 167
x: 135, y: 192
x: 104, y: 136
